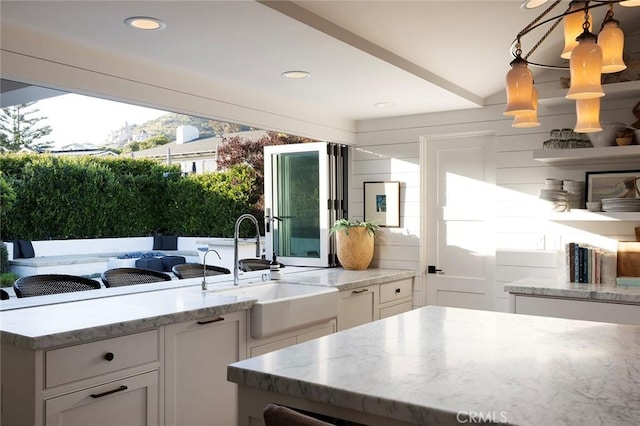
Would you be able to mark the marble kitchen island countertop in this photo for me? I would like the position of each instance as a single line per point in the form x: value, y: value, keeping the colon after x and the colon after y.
x: 594, y: 292
x: 437, y: 365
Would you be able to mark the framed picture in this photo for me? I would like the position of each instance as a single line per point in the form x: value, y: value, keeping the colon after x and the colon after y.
x: 382, y: 203
x: 618, y: 184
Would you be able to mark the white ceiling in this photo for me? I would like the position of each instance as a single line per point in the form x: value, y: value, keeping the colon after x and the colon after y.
x: 425, y: 56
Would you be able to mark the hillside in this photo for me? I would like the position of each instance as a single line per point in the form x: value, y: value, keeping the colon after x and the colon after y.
x: 166, y: 126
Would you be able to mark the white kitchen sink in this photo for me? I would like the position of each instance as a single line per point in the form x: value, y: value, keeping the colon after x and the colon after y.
x: 284, y: 306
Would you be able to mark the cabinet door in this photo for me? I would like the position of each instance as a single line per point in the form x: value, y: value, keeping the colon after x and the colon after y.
x: 132, y: 402
x: 197, y: 354
x: 357, y: 307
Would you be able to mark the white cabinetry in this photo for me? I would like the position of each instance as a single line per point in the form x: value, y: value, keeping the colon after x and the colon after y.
x: 365, y: 304
x: 257, y: 347
x: 106, y: 382
x: 577, y: 309
x: 132, y: 402
x: 196, y: 357
x: 357, y: 307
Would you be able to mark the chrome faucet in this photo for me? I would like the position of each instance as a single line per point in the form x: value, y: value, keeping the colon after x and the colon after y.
x: 204, y: 267
x: 235, y: 243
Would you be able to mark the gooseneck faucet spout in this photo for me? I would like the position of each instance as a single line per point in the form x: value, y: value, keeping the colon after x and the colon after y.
x: 236, y: 231
x: 204, y: 267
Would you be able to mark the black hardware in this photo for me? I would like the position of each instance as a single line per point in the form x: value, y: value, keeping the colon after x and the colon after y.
x: 100, y: 395
x: 364, y: 290
x: 433, y: 270
x: 109, y: 356
x: 397, y: 291
x: 210, y: 321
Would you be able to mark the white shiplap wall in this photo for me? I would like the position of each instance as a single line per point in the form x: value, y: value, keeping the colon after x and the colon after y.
x: 527, y: 242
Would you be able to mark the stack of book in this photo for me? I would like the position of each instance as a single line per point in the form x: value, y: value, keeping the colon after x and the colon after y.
x: 584, y: 263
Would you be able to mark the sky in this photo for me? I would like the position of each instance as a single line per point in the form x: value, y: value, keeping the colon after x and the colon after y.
x: 83, y: 119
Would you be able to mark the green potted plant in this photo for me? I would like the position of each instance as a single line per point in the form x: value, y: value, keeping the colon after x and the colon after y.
x: 354, y: 243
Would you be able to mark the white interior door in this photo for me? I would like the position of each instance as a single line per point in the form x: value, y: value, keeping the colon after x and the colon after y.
x: 459, y: 230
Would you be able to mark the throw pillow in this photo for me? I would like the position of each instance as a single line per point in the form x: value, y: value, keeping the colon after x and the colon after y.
x: 170, y: 242
x: 26, y: 249
x: 16, y: 249
x: 157, y: 242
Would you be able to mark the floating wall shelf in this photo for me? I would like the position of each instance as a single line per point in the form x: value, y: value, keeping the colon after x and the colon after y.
x: 587, y: 155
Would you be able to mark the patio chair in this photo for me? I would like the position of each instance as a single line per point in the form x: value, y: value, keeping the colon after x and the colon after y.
x: 196, y: 270
x: 39, y: 285
x: 278, y: 415
x: 118, y: 277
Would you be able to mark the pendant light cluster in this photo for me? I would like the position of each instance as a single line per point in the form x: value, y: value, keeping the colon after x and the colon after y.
x: 589, y: 56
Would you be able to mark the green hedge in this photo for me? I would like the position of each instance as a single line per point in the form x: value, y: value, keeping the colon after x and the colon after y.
x: 90, y: 197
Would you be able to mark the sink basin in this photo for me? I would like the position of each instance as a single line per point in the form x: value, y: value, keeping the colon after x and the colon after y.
x: 252, y: 264
x: 283, y: 307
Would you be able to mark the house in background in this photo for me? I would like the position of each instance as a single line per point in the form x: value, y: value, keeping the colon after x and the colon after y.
x: 81, y: 149
x: 402, y: 83
x: 194, y: 154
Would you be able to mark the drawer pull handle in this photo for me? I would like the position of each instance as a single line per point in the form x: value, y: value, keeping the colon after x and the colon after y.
x: 210, y: 321
x: 100, y: 395
x: 109, y: 356
x: 397, y: 291
x: 364, y: 290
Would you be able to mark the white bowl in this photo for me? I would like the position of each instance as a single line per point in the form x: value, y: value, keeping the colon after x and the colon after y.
x: 607, y: 136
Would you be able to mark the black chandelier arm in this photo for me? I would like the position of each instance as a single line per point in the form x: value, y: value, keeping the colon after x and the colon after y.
x: 535, y: 24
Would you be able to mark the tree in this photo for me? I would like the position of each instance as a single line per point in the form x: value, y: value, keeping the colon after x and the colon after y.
x: 18, y: 130
x: 152, y: 142
x: 237, y: 150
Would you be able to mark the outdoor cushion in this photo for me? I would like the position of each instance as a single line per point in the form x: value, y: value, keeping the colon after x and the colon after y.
x: 157, y: 242
x: 165, y: 242
x: 16, y: 249
x: 168, y: 262
x: 152, y: 263
x: 26, y: 249
x: 169, y: 242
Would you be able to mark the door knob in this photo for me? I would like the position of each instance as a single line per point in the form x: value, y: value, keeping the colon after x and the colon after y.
x: 431, y: 269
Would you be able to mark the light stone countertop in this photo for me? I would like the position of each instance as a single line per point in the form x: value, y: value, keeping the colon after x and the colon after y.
x: 593, y: 292
x: 434, y: 364
x: 49, y: 321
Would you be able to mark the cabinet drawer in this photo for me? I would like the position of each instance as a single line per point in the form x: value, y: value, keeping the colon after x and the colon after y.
x: 132, y: 401
x: 79, y: 362
x: 395, y: 290
x: 395, y: 309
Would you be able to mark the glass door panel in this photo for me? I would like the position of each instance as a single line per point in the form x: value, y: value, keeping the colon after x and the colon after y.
x: 300, y: 201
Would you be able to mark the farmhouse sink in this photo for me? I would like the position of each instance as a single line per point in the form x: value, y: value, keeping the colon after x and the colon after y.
x: 284, y: 306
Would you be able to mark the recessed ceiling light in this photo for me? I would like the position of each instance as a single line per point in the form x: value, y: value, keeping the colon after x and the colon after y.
x: 145, y: 23
x: 385, y: 104
x: 296, y: 75
x: 532, y: 4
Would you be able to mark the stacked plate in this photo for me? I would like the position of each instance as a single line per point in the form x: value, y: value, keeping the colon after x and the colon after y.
x: 621, y: 205
x: 575, y: 193
x: 557, y: 198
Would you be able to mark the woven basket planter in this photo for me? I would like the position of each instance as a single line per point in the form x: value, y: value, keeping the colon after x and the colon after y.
x: 355, y: 248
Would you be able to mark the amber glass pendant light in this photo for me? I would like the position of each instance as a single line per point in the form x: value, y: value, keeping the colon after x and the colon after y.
x: 573, y: 27
x: 519, y: 87
x: 588, y: 115
x: 585, y: 66
x: 611, y: 40
x: 529, y: 118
